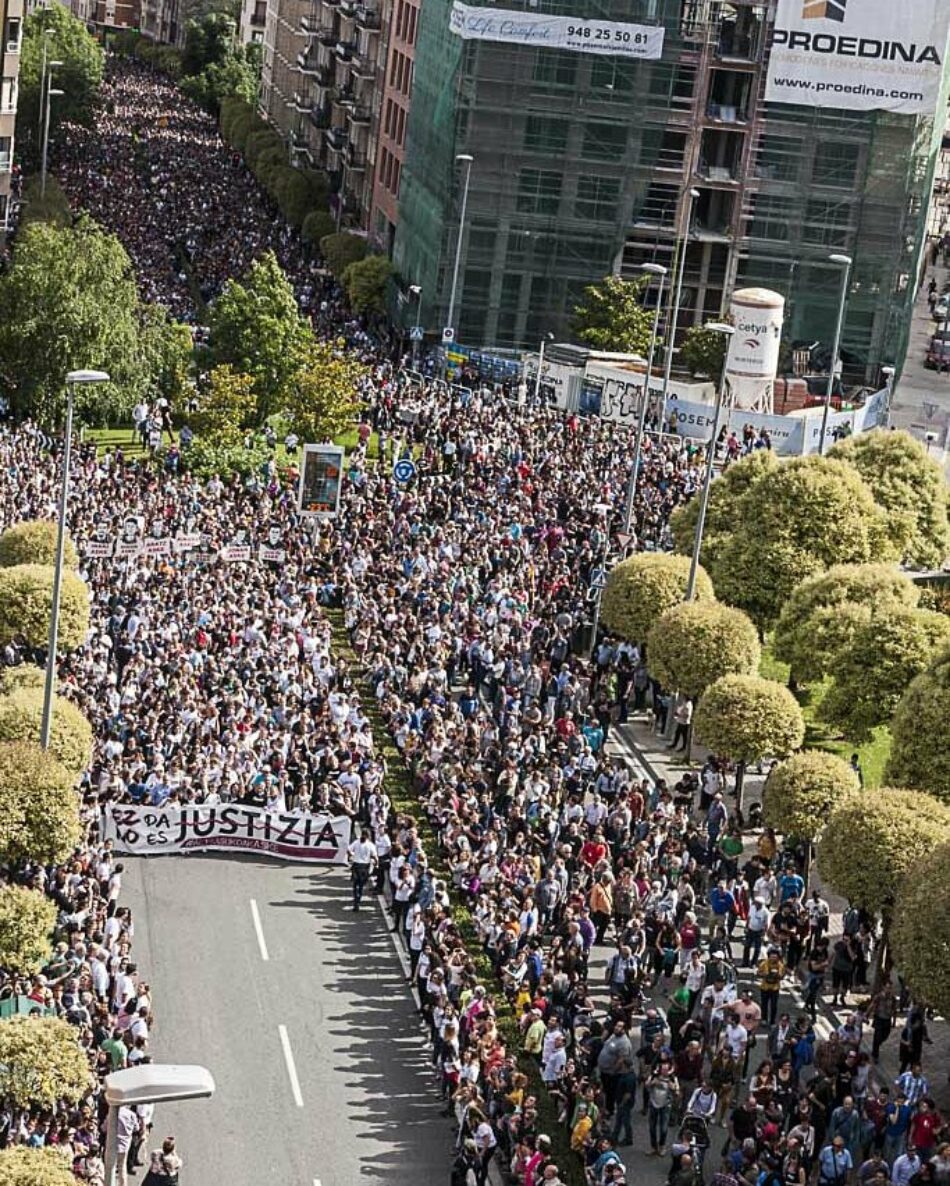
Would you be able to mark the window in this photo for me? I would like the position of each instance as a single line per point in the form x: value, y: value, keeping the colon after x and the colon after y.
x: 613, y: 74
x: 604, y: 141
x: 826, y: 224
x: 13, y: 35
x: 779, y: 158
x: 543, y: 133
x: 555, y: 67
x: 5, y: 151
x: 662, y: 149
x: 8, y: 92
x: 510, y: 292
x: 771, y: 217
x: 836, y: 164
x: 539, y: 191
x: 673, y: 83
x: 659, y: 206
x: 597, y: 198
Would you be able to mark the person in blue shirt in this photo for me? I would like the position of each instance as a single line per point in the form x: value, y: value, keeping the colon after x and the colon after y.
x: 835, y: 1164
x: 594, y: 734
x: 897, y: 1116
x: 722, y: 903
x: 790, y: 884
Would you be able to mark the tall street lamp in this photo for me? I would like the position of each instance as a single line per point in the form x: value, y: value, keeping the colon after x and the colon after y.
x: 888, y: 372
x: 51, y: 91
x: 73, y: 380
x: 537, y: 379
x: 465, y: 159
x: 660, y: 271
x: 416, y: 291
x: 719, y: 327
x: 39, y: 127
x: 149, y: 1084
x: 677, y: 296
x: 844, y: 262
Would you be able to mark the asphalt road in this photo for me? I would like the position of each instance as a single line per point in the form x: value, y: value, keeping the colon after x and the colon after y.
x: 321, y: 1069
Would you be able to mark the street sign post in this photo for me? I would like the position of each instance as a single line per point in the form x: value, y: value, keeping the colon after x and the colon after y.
x: 404, y: 470
x: 448, y: 334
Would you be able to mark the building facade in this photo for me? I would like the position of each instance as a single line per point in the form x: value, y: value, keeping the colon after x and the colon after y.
x: 584, y: 163
x: 11, y: 26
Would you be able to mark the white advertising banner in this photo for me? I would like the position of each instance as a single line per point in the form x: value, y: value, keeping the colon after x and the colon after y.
x: 860, y: 55
x: 696, y: 420
x: 581, y: 34
x: 227, y: 827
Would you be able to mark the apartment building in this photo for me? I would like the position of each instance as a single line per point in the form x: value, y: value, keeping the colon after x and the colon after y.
x: 11, y: 26
x: 395, y: 101
x: 253, y: 21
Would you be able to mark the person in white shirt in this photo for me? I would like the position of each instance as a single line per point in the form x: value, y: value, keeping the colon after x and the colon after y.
x: 361, y: 857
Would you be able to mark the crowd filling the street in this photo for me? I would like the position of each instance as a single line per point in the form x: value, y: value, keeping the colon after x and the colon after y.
x: 676, y: 984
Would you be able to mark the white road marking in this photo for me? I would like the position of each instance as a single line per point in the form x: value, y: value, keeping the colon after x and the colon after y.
x: 291, y: 1066
x: 259, y: 930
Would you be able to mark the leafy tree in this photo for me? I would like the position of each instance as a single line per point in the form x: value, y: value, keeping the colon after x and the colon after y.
x: 26, y: 602
x: 257, y: 329
x: 691, y: 645
x: 166, y: 348
x: 236, y: 77
x: 242, y: 126
x: 324, y: 399
x: 703, y: 352
x: 26, y: 675
x: 822, y: 614
x: 920, y: 756
x: 920, y: 932
x: 874, y: 839
x: 226, y: 407
x: 71, y: 737
x: 21, y: 1165
x: 294, y: 196
x: 68, y: 301
x: 41, y: 1062
x: 800, y: 519
x: 873, y: 671
x: 910, y: 488
x: 366, y: 281
x: 318, y: 225
x: 745, y: 718
x: 27, y: 919
x: 258, y: 141
x: 801, y: 792
x: 724, y: 495
x: 233, y: 109
x: 33, y: 541
x: 209, y: 40
x: 341, y: 250
x: 642, y: 587
x: 51, y: 207
x: 611, y: 316
x: 40, y: 807
x: 79, y: 77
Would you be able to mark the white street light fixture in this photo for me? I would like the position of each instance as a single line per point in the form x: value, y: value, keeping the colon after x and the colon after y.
x: 548, y: 337
x: 718, y: 327
x: 844, y: 262
x: 149, y: 1084
x: 73, y: 380
x: 660, y: 271
x: 465, y: 159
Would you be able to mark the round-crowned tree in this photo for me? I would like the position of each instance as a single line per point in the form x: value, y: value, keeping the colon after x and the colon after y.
x: 920, y: 756
x: 691, y: 645
x: 27, y: 919
x: 801, y: 792
x: 34, y: 542
x: 42, y: 1062
x: 23, y: 1166
x: 822, y: 613
x: 796, y: 521
x: 642, y: 587
x: 26, y: 601
x: 39, y: 809
x: 872, y: 840
x: 920, y: 933
x: 21, y: 713
x: 745, y: 717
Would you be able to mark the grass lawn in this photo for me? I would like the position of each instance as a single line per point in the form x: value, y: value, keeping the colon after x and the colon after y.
x: 872, y: 754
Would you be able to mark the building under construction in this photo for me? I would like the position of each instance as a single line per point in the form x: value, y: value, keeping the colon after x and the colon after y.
x: 583, y: 164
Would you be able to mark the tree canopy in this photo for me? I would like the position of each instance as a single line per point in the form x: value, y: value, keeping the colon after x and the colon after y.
x: 642, y: 587
x: 257, y: 329
x: 27, y: 919
x: 921, y: 931
x: 611, y: 316
x: 67, y: 301
x: 873, y: 670
x: 874, y: 839
x: 744, y: 718
x: 801, y: 792
x: 33, y: 541
x: 324, y: 399
x: 920, y: 755
x: 226, y: 406
x: 41, y: 1062
x: 365, y: 282
x: 822, y: 614
x: 342, y: 249
x: 21, y: 712
x: 691, y: 645
x: 703, y: 352
x: 40, y: 809
x: 910, y: 488
x: 21, y: 1165
x: 79, y: 76
x: 26, y: 603
x: 796, y: 521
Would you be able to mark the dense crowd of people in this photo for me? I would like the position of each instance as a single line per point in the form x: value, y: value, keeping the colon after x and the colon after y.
x: 464, y: 593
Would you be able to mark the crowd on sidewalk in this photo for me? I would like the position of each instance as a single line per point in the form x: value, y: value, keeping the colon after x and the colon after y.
x: 462, y: 594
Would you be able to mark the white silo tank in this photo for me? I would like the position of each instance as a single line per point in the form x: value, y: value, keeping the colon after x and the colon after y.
x: 752, y: 363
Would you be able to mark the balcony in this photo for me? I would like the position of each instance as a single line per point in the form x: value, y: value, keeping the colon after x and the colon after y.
x: 360, y: 115
x: 726, y: 113
x: 345, y: 50
x: 326, y: 35
x: 336, y: 138
x: 717, y: 173
x: 367, y: 18
x: 300, y: 103
x: 343, y: 97
x: 319, y: 117
x: 355, y: 161
x: 309, y: 23
x: 348, y: 9
x: 308, y: 63
x: 361, y: 67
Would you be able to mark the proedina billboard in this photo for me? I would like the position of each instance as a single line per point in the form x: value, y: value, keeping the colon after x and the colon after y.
x: 860, y: 55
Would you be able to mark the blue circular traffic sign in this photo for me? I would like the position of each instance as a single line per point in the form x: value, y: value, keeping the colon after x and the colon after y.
x: 404, y: 470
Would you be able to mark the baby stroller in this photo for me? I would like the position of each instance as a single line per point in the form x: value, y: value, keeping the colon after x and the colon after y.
x: 692, y: 1138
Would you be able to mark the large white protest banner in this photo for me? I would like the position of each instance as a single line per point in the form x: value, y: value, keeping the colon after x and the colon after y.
x: 227, y: 827
x: 586, y: 35
x: 859, y: 55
